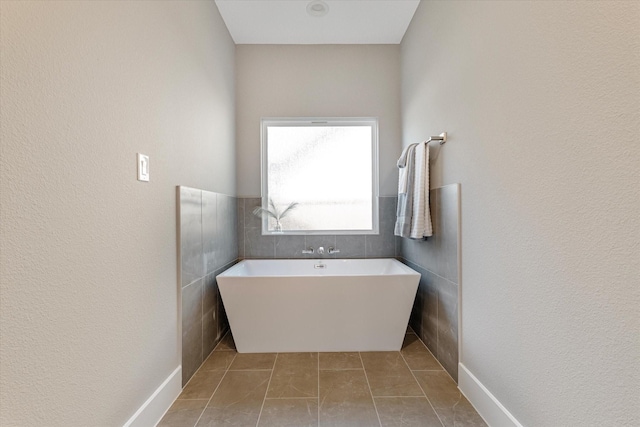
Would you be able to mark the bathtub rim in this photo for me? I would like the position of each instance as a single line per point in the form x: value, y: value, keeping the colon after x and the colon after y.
x: 403, y: 268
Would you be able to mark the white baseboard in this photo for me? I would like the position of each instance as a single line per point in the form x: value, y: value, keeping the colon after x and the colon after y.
x: 493, y: 412
x: 152, y: 411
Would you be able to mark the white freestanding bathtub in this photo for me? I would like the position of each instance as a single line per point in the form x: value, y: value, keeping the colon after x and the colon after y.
x: 308, y: 305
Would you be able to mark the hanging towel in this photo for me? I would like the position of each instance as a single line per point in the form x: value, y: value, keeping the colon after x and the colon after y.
x: 403, y: 180
x: 421, y: 217
x: 413, y: 216
x: 404, y: 209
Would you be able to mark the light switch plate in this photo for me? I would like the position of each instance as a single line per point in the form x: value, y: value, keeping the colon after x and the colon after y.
x: 143, y: 167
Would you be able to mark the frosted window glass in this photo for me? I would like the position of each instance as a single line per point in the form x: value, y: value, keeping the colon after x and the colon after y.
x: 327, y: 169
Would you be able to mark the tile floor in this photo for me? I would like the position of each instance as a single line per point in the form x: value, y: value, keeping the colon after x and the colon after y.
x: 397, y: 388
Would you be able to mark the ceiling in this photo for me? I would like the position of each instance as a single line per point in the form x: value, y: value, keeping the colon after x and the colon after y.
x: 345, y: 22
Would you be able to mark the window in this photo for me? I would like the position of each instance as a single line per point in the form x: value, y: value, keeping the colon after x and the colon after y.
x: 326, y: 168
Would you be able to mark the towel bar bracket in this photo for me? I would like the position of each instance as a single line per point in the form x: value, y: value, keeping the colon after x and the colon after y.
x: 442, y: 138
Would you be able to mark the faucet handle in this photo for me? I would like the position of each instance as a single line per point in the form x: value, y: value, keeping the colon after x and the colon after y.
x: 321, y: 250
x: 308, y: 251
x: 331, y: 250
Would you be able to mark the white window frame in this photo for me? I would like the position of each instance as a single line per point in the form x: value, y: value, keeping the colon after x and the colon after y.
x: 321, y: 121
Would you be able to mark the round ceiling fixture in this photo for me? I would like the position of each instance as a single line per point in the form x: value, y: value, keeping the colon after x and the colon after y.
x: 317, y: 8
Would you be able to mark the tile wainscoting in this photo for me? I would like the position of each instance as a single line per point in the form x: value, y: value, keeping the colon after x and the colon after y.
x: 434, y: 317
x: 217, y: 230
x: 207, y: 247
x: 252, y: 244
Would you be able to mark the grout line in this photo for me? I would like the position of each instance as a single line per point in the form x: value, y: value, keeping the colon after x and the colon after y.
x: 249, y: 369
x: 431, y: 271
x: 342, y: 369
x: 435, y: 358
x: 430, y: 352
x: 200, y: 367
x: 221, y: 339
x: 423, y: 392
x: 214, y: 391
x: 267, y: 390
x: 400, y: 397
x: 370, y: 391
x: 195, y: 399
x: 290, y: 398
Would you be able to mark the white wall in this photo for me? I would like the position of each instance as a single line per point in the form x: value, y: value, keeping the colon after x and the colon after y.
x: 541, y: 101
x: 317, y: 81
x: 89, y: 303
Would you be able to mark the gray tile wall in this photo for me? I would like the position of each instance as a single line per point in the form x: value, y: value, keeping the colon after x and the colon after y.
x: 252, y: 244
x: 216, y: 230
x: 208, y: 246
x: 435, y: 312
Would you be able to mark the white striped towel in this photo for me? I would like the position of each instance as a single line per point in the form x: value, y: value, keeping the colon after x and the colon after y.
x: 421, y: 217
